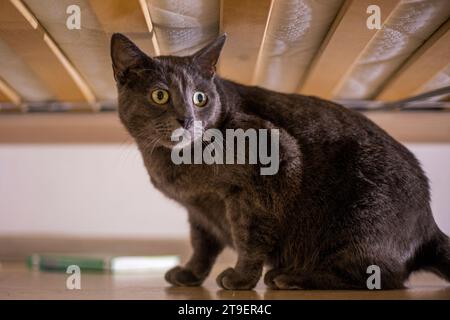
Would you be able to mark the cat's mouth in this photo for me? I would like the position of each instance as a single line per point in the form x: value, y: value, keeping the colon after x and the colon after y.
x: 183, y: 137
x: 177, y: 137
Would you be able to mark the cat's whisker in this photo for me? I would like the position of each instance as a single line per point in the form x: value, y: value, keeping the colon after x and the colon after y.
x: 154, y: 145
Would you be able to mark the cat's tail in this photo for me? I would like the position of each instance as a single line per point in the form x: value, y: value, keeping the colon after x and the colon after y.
x: 435, y: 256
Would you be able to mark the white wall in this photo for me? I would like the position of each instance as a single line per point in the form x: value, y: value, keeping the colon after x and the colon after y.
x: 103, y: 190
x: 83, y: 190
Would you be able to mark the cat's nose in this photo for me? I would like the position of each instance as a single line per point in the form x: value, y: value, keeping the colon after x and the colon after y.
x: 181, y: 121
x: 184, y: 122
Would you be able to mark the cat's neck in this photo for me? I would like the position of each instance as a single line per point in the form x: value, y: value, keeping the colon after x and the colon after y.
x: 230, y: 99
x: 237, y: 97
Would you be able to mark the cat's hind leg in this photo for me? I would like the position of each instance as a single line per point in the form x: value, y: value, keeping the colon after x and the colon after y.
x: 354, y: 277
x: 323, y: 281
x: 348, y: 269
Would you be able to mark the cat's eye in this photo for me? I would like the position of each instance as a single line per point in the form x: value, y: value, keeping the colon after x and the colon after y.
x: 199, y: 98
x: 160, y: 96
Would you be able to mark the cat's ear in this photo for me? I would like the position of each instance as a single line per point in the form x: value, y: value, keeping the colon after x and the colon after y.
x: 124, y: 55
x: 207, y: 57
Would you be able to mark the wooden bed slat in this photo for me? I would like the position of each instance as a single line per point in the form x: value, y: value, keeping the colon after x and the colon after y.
x: 244, y: 23
x: 420, y: 126
x: 125, y: 17
x: 432, y: 57
x: 3, y: 98
x: 349, y: 38
x: 18, y: 33
x: 8, y: 94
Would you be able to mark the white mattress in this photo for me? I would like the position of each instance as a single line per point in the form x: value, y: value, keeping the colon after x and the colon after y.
x: 87, y: 49
x: 408, y: 26
x: 184, y: 26
x: 293, y: 35
x: 20, y: 76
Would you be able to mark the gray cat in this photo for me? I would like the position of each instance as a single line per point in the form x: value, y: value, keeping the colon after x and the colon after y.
x: 346, y: 195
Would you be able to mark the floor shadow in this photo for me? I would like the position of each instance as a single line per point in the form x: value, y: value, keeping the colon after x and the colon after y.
x: 188, y: 293
x: 238, y: 294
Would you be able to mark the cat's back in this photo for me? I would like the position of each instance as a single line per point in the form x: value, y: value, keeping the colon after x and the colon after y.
x: 312, y: 120
x: 330, y: 135
x: 305, y: 117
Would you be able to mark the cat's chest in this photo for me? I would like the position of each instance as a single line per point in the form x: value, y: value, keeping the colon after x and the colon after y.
x: 180, y: 182
x: 191, y: 186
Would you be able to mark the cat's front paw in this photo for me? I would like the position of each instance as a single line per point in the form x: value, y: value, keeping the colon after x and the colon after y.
x: 183, y: 277
x: 230, y: 279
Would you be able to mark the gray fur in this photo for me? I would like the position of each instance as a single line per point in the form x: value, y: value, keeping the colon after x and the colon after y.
x: 346, y: 196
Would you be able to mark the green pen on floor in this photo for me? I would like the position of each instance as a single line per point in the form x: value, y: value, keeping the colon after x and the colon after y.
x: 99, y: 263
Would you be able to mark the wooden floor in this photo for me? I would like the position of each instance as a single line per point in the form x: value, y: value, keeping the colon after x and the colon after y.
x: 17, y: 282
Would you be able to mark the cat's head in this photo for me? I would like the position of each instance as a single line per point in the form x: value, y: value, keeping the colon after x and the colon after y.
x: 158, y: 95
